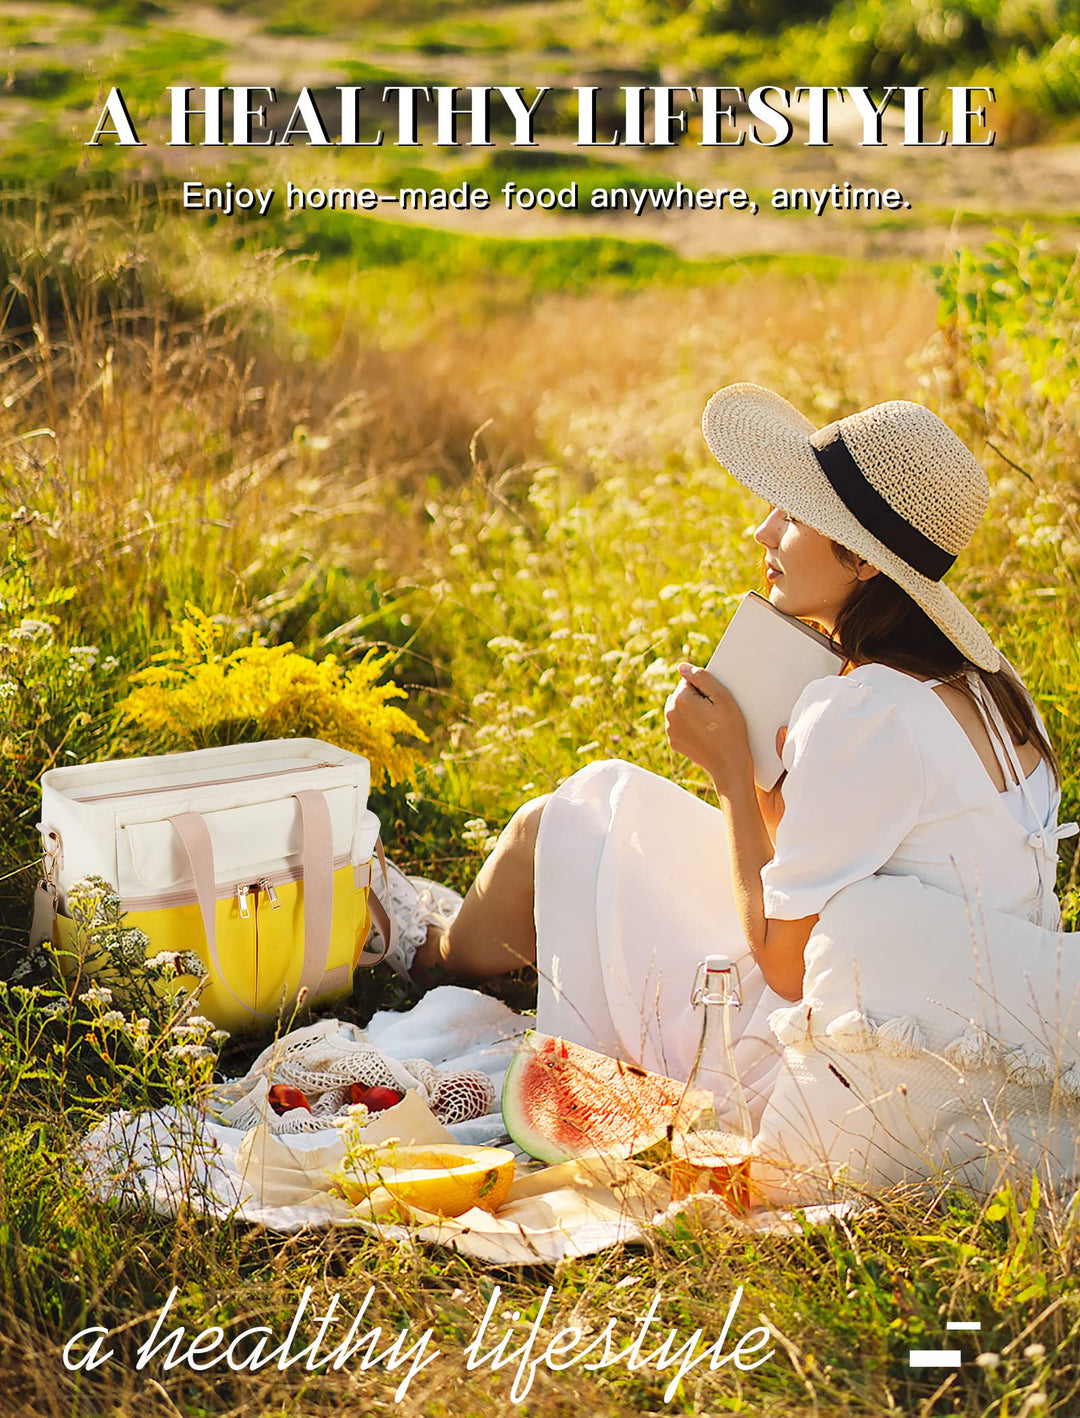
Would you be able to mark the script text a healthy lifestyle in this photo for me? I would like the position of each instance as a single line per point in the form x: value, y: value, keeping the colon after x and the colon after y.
x: 258, y: 1348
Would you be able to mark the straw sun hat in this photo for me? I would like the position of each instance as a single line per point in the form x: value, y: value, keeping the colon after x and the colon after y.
x: 893, y: 484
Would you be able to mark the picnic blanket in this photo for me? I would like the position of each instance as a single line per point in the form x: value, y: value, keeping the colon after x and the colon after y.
x: 235, y: 1159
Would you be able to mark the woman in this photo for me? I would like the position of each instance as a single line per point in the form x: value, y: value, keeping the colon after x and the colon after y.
x: 926, y: 758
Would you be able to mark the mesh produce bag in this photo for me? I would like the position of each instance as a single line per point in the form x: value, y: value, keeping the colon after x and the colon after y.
x: 322, y: 1061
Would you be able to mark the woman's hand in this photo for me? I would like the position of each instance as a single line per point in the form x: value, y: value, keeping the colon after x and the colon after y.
x: 706, y: 725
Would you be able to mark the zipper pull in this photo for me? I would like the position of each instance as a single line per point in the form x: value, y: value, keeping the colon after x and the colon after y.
x: 270, y: 892
x: 242, y: 901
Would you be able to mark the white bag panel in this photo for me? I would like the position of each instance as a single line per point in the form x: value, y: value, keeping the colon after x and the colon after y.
x: 88, y: 844
x: 236, y: 774
x: 263, y: 791
x: 365, y: 837
x: 255, y: 840
x: 112, y: 817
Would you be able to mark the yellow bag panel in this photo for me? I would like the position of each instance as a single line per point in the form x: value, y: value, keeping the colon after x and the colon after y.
x: 262, y: 954
x: 281, y: 937
x: 181, y: 928
x: 68, y: 955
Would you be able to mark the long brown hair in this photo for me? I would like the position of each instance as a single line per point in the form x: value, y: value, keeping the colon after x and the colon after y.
x: 881, y: 622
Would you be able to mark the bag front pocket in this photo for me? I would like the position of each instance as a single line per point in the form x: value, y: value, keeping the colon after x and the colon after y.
x: 280, y: 920
x: 261, y: 946
x: 178, y: 927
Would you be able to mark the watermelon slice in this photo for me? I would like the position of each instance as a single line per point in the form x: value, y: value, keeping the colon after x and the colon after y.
x: 561, y: 1100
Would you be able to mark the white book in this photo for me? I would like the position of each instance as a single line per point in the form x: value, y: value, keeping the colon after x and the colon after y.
x: 766, y: 659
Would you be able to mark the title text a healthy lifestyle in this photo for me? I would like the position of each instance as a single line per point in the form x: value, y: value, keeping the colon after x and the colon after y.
x: 649, y: 116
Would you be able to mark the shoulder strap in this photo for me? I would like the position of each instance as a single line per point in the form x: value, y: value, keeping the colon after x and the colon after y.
x: 1000, y: 739
x: 1046, y: 836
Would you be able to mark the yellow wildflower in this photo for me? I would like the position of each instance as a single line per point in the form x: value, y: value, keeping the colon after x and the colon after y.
x: 196, y: 695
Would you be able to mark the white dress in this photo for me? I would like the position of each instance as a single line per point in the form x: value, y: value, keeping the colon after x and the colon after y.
x: 633, y: 880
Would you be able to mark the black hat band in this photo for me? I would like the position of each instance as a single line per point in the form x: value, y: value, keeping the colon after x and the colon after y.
x: 870, y: 509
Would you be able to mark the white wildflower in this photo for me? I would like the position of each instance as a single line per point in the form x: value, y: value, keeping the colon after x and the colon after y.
x: 97, y: 994
x: 164, y: 960
x: 659, y: 669
x: 32, y: 961
x: 195, y: 1052
x: 140, y: 1036
x: 29, y: 629
x: 474, y: 831
x: 127, y: 947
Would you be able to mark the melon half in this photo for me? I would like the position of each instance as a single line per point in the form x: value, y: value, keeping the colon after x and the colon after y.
x: 441, y: 1177
x: 561, y: 1100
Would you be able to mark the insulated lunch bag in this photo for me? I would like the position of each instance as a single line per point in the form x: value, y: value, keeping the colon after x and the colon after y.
x: 257, y: 857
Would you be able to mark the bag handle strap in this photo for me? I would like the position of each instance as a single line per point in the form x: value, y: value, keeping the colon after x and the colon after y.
x: 318, y: 865
x: 318, y: 869
x: 385, y: 920
x: 195, y: 839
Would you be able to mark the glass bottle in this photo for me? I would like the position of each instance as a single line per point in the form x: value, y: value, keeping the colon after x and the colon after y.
x: 711, y: 1150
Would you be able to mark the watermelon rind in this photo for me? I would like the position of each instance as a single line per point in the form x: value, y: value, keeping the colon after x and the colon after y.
x: 561, y: 1100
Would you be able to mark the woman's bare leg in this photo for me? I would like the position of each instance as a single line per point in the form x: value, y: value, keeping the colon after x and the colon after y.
x: 494, y: 932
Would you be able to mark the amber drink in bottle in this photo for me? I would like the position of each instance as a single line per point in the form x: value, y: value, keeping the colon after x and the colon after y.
x: 711, y: 1151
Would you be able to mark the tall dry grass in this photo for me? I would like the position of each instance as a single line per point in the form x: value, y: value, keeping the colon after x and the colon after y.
x: 170, y: 446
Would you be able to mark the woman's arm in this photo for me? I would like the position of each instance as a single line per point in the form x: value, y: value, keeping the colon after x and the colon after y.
x: 705, y: 724
x: 777, y: 946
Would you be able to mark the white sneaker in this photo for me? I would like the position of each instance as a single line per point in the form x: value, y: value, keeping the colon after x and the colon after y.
x: 415, y: 904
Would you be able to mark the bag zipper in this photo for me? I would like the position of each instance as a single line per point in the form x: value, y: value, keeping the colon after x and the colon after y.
x: 203, y: 783
x: 241, y: 890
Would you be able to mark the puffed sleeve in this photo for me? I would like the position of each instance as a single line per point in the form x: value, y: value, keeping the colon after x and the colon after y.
x: 854, y: 789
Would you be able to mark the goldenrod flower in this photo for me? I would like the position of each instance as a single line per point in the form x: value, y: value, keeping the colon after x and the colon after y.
x: 196, y: 695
